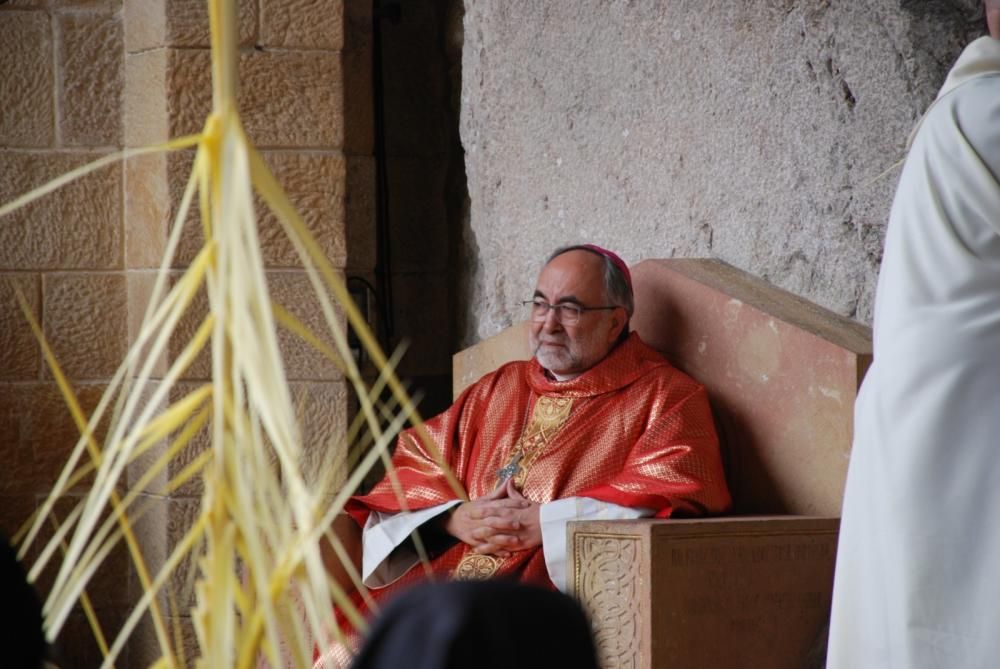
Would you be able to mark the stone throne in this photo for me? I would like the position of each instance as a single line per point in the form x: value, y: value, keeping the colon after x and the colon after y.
x: 753, y: 588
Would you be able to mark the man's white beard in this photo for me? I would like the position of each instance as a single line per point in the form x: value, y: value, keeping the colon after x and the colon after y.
x: 562, y: 361
x: 551, y: 359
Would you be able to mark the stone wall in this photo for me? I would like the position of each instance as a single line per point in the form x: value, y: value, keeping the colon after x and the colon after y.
x: 757, y: 132
x: 61, y: 90
x: 60, y: 87
x: 83, y: 78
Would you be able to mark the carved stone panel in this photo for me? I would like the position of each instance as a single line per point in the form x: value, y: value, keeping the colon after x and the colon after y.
x: 725, y: 593
x: 608, y: 581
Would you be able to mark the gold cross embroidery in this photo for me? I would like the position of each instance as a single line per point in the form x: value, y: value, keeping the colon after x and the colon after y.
x: 547, y: 418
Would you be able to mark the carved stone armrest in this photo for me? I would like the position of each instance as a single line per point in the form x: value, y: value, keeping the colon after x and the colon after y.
x: 718, y: 592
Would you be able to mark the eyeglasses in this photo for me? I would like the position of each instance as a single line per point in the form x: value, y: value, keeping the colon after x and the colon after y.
x: 567, y: 313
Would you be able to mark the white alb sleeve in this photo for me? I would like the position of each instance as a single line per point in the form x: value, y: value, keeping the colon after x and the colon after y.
x: 553, y: 517
x: 383, y: 557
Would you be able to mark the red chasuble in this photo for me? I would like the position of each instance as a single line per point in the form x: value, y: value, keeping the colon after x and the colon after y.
x: 632, y: 430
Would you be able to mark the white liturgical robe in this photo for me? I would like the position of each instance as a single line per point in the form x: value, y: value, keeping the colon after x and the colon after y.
x: 918, y: 567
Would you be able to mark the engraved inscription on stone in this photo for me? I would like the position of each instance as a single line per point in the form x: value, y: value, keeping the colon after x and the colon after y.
x: 607, y: 584
x: 760, y: 591
x: 748, y: 554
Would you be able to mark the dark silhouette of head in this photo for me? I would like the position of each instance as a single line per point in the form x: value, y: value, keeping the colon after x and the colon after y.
x: 484, y: 624
x: 22, y: 640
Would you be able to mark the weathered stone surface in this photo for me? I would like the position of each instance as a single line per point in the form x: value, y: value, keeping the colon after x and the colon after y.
x: 322, y: 412
x: 360, y: 205
x: 107, y: 589
x: 293, y: 99
x: 26, y: 80
x: 194, y: 487
x: 151, y: 530
x: 291, y: 289
x: 49, y: 431
x: 180, y: 23
x: 419, y: 231
x: 168, y: 93
x: 321, y: 408
x: 20, y: 354
x: 90, y: 79
x: 145, y: 116
x: 181, y: 515
x: 89, y: 5
x: 752, y: 132
x: 102, y: 6
x: 288, y: 99
x: 159, y: 531
x: 140, y: 289
x: 138, y: 473
x: 145, y: 26
x: 315, y: 184
x: 39, y: 434
x: 85, y: 321
x: 76, y: 648
x: 17, y: 459
x: 302, y: 24
x: 75, y: 227
x: 148, y: 207
x: 187, y: 90
x: 192, y: 240
x: 188, y: 25
x: 144, y: 649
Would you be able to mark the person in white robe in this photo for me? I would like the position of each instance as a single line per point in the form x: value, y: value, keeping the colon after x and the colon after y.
x: 917, y: 582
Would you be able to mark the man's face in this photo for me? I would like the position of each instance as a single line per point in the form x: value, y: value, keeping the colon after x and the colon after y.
x: 575, y: 277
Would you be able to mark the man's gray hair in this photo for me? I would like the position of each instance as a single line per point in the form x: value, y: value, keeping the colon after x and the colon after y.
x: 615, y: 284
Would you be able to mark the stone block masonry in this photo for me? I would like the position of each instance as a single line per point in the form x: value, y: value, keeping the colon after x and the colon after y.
x: 83, y: 78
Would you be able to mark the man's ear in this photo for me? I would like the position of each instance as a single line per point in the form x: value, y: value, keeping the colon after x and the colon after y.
x: 619, y: 319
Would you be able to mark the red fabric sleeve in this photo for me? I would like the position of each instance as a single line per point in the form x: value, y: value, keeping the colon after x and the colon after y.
x: 418, y: 464
x: 675, y: 466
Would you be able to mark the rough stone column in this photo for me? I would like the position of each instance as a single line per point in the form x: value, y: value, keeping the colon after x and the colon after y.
x: 293, y: 107
x: 762, y: 133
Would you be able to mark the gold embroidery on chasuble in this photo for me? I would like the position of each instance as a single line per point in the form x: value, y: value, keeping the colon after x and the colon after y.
x: 547, y: 418
x: 476, y: 567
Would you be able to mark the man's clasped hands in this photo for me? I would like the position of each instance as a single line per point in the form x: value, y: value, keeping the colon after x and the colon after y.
x: 498, y: 524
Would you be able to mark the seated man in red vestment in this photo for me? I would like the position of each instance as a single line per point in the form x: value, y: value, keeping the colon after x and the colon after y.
x: 596, y: 426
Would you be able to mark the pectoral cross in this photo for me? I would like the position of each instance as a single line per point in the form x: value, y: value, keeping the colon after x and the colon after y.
x: 510, y: 469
